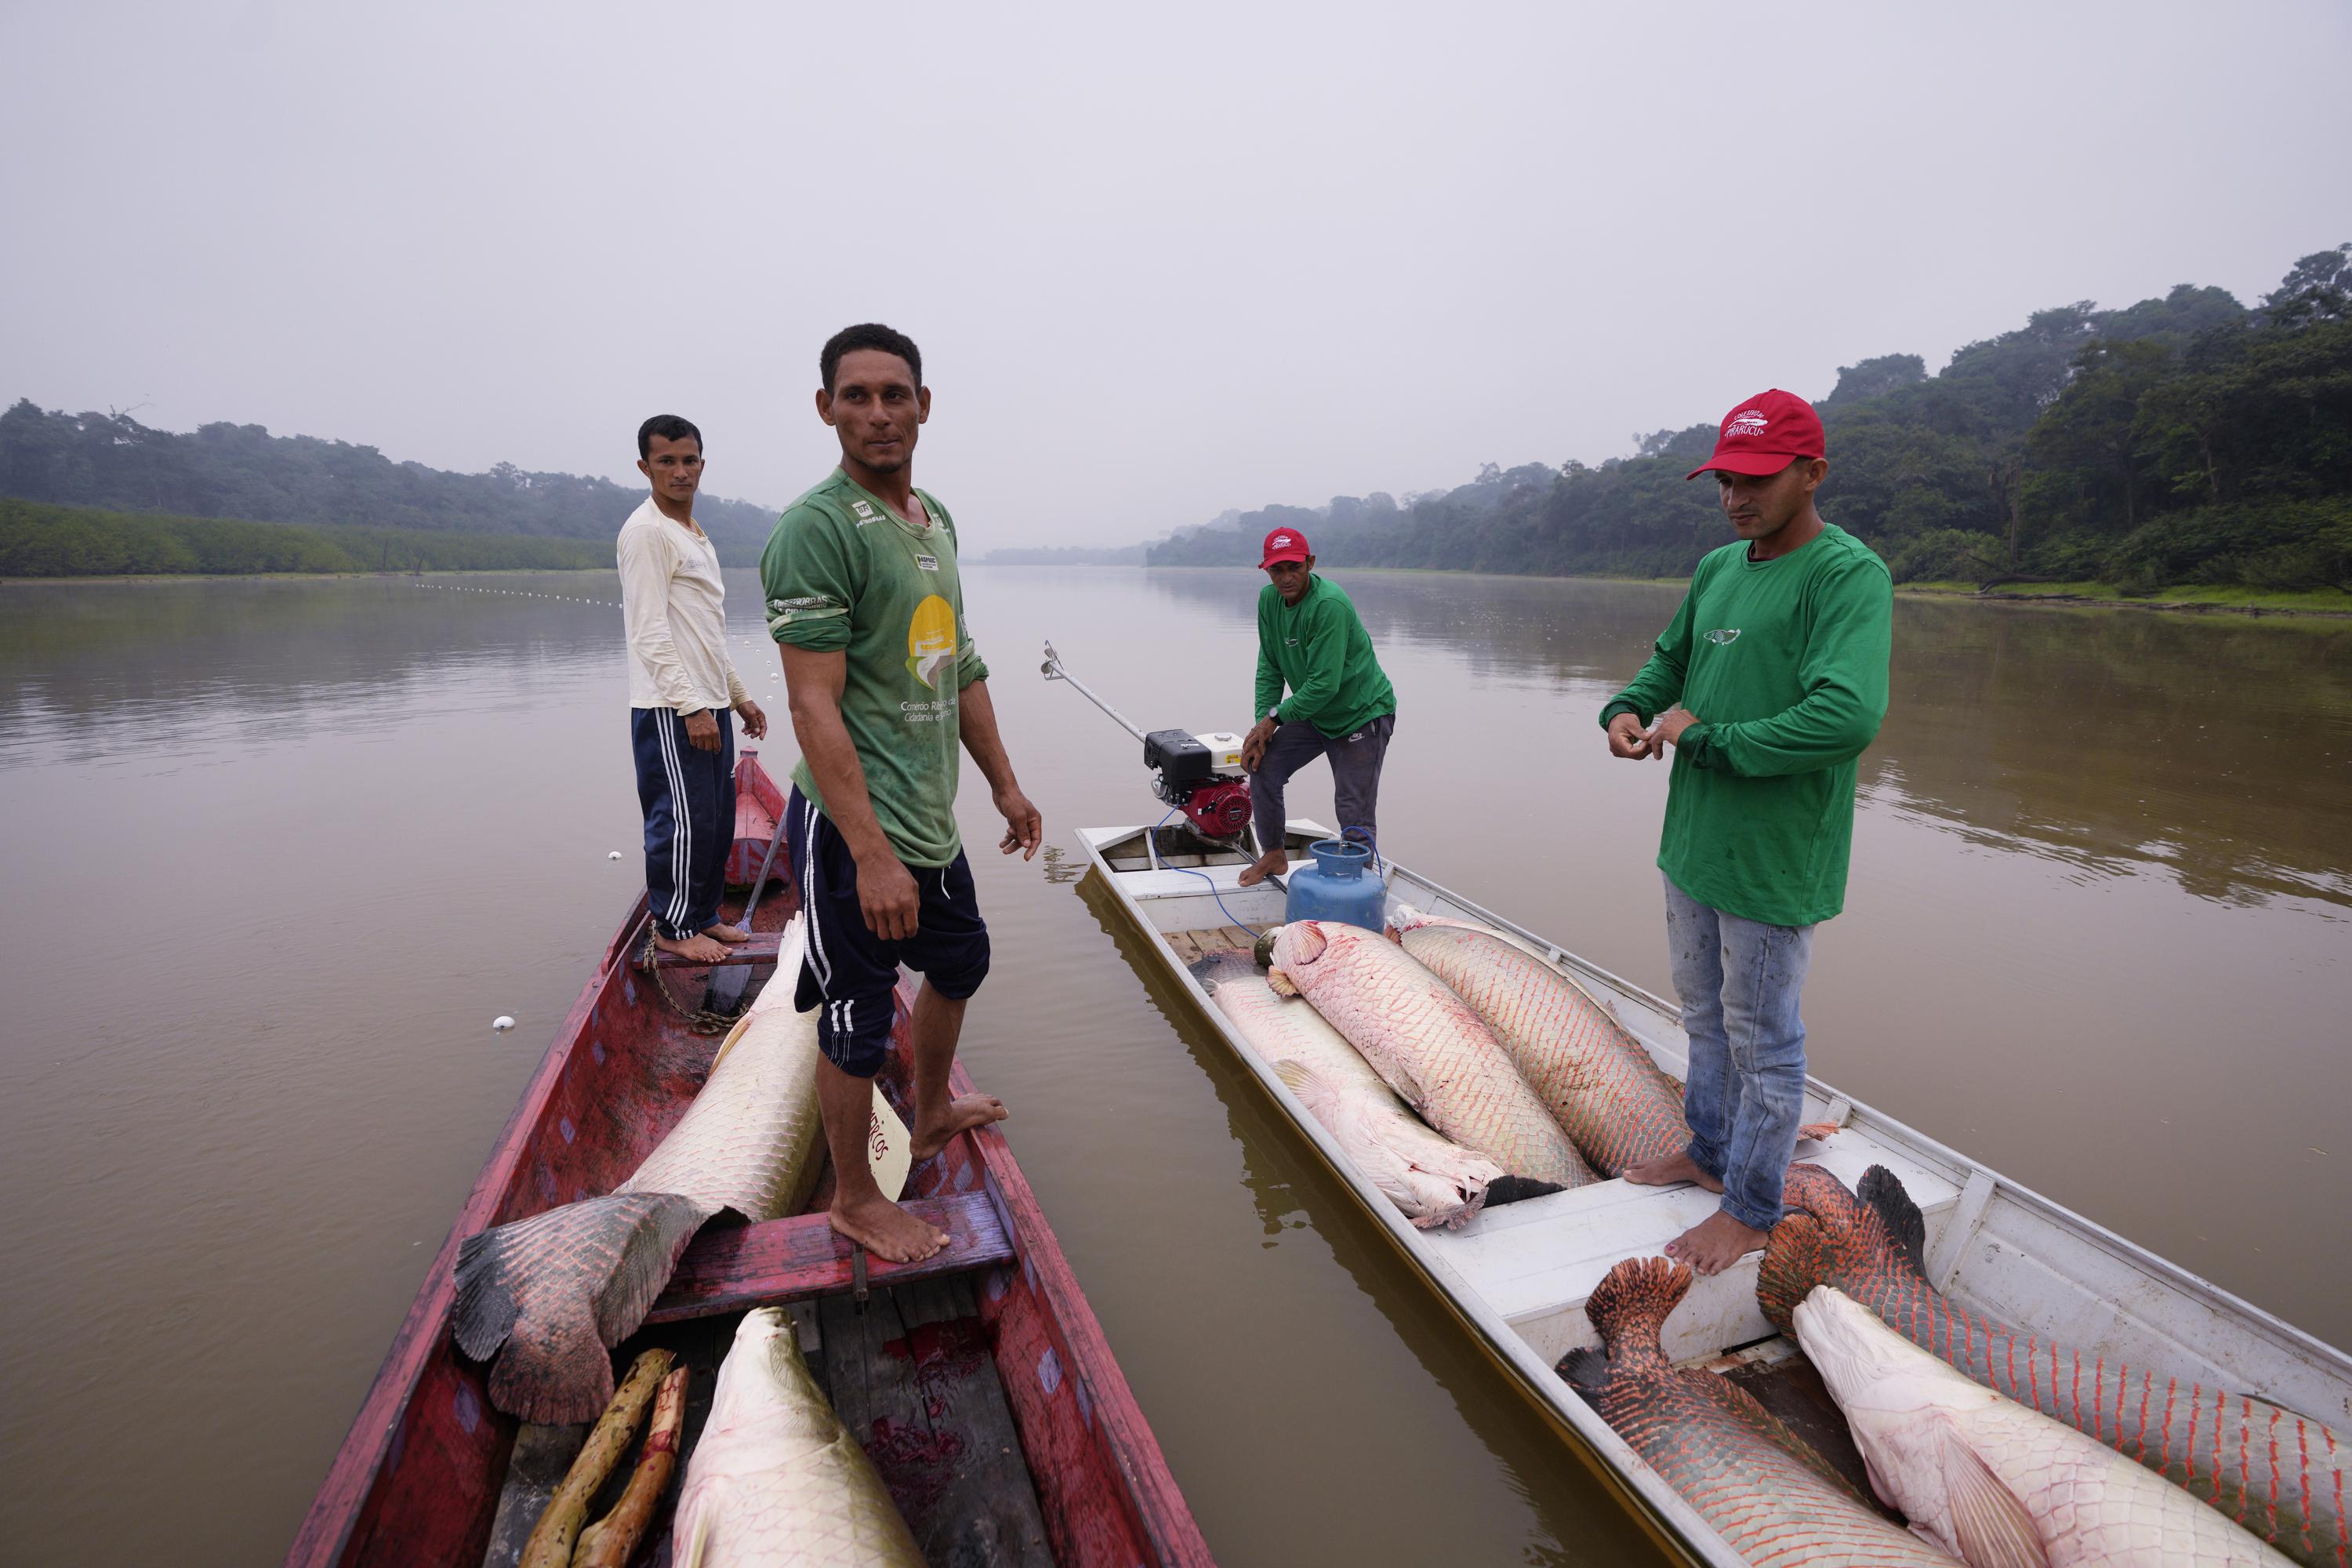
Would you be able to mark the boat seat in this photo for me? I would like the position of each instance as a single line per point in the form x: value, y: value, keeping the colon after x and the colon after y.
x: 761, y: 949
x: 1538, y: 1261
x: 732, y: 1268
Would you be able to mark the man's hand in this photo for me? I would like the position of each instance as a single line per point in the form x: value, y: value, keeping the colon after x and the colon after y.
x: 1255, y: 744
x: 887, y: 897
x: 1023, y: 829
x: 701, y: 730
x: 1627, y: 739
x: 755, y: 723
x: 1669, y: 729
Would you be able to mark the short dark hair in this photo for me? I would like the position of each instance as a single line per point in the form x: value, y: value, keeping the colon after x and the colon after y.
x: 669, y: 428
x: 867, y: 335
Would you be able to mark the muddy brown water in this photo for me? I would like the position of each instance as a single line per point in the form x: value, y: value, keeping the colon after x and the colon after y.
x: 276, y: 853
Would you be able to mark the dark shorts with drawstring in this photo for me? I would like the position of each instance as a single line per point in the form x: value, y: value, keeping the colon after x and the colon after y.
x: 848, y: 973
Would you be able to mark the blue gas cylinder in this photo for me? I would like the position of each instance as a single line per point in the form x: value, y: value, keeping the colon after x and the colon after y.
x: 1335, y: 889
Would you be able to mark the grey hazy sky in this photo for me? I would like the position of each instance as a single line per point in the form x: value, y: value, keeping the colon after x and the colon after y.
x: 1158, y: 263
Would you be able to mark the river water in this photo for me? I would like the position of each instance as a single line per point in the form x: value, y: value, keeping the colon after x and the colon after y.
x: 276, y: 852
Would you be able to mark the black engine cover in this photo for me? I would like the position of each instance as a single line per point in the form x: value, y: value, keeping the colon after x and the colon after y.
x: 1180, y: 759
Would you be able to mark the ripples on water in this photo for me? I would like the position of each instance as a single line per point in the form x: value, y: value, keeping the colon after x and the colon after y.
x: 277, y: 852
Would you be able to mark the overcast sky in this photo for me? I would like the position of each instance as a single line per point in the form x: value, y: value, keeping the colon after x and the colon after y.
x: 1158, y: 263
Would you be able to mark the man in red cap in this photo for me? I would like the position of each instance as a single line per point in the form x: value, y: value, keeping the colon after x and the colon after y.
x: 1340, y: 705
x: 1766, y: 686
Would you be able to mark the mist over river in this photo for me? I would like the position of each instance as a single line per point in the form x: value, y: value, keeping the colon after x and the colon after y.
x: 277, y: 851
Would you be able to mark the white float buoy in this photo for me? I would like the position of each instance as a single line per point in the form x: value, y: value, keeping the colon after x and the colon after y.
x: 502, y: 1023
x: 615, y: 855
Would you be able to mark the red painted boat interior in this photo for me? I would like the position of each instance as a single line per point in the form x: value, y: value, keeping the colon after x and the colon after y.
x: 418, y: 1477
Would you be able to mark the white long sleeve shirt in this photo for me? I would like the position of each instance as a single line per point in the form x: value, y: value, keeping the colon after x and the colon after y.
x: 674, y: 611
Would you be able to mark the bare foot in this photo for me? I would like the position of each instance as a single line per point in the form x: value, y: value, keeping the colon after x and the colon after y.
x: 1714, y: 1243
x: 695, y: 948
x: 731, y: 935
x: 1270, y: 864
x: 885, y: 1229
x: 964, y: 1111
x: 1672, y: 1168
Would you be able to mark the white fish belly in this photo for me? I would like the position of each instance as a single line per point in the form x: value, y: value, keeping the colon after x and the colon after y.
x: 1430, y: 1179
x: 751, y: 1140
x: 776, y: 1481
x: 1428, y: 1045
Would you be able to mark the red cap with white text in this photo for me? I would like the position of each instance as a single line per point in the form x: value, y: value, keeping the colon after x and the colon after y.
x: 1285, y: 544
x: 1765, y: 434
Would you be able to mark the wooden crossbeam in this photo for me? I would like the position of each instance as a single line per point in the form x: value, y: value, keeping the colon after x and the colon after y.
x: 734, y: 1268
x: 761, y: 949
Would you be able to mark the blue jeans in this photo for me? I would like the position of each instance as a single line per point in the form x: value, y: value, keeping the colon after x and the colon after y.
x: 1738, y: 981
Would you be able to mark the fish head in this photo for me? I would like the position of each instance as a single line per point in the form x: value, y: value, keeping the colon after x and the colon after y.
x: 1903, y: 1406
x: 1403, y: 918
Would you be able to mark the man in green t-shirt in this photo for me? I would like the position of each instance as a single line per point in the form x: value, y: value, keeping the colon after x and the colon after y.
x: 867, y: 608
x: 1767, y: 684
x: 1340, y: 706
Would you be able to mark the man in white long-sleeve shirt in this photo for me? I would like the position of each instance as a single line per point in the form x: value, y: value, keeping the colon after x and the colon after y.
x: 683, y: 690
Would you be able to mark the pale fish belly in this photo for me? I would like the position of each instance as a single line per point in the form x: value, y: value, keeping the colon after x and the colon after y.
x: 1991, y: 1480
x: 1428, y: 1046
x: 1430, y: 1179
x: 1601, y: 1085
x: 776, y: 1481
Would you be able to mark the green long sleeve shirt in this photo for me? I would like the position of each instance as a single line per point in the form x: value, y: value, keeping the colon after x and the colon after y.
x: 1783, y: 662
x: 1319, y: 647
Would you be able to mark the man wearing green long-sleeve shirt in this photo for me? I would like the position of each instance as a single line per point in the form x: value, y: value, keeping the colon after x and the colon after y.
x: 1340, y: 705
x: 1766, y: 686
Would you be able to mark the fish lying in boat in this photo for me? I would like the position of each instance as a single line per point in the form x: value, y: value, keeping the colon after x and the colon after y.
x: 1599, y: 1081
x: 1981, y: 1476
x: 1773, y: 1499
x: 1426, y: 1044
x: 552, y: 1293
x: 1430, y: 1179
x: 2280, y: 1474
x: 776, y: 1481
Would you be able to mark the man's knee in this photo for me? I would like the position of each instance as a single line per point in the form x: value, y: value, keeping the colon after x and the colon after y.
x: 853, y: 1033
x: 957, y: 976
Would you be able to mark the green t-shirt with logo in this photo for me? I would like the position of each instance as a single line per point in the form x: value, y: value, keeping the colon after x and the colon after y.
x: 1318, y: 648
x: 1783, y: 662
x: 844, y: 572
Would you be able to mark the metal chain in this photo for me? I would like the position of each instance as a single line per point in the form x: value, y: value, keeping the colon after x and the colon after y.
x: 702, y: 1020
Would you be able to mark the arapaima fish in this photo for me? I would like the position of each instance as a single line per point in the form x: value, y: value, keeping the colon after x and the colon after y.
x: 2279, y: 1474
x: 1768, y: 1494
x: 549, y: 1295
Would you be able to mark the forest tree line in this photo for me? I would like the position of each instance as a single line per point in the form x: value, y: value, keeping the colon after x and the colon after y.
x: 2181, y: 440
x: 37, y: 539
x: 112, y: 463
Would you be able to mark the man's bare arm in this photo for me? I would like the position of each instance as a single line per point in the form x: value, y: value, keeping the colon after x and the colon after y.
x: 885, y: 890
x: 1024, y: 828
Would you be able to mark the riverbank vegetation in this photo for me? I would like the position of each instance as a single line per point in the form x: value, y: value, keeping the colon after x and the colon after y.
x: 2181, y: 442
x: 111, y: 463
x: 43, y: 541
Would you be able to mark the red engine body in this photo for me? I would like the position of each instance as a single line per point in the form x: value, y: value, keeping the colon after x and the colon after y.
x: 1218, y: 808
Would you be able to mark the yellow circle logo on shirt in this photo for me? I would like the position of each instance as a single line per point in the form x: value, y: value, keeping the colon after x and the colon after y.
x: 930, y: 640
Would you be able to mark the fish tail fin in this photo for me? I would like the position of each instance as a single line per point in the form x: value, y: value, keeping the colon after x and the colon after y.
x: 549, y: 1296
x: 1882, y: 1190
x: 1815, y: 1243
x: 1508, y: 1189
x: 1631, y: 1303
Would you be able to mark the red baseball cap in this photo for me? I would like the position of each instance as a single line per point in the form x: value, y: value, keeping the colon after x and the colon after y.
x: 1764, y: 434
x: 1285, y: 544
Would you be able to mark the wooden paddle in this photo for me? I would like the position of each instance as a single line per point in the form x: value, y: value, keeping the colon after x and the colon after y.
x: 724, y: 996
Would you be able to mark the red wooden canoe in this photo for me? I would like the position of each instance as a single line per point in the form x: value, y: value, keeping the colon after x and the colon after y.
x: 419, y: 1478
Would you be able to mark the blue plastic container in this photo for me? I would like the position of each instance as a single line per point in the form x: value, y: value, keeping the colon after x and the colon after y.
x: 1335, y: 889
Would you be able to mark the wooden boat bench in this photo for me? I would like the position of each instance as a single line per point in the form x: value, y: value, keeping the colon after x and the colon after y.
x: 734, y: 1268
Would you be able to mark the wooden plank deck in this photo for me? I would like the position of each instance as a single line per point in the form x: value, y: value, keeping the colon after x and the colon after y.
x: 734, y: 1268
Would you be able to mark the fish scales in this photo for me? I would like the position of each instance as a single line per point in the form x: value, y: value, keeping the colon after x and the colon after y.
x: 1598, y: 1081
x: 2279, y: 1474
x: 1755, y: 1481
x: 1982, y: 1475
x: 1427, y: 1045
x: 775, y: 1480
x: 551, y: 1294
x: 1430, y: 1179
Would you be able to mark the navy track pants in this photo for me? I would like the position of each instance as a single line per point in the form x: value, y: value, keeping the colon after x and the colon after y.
x: 688, y: 796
